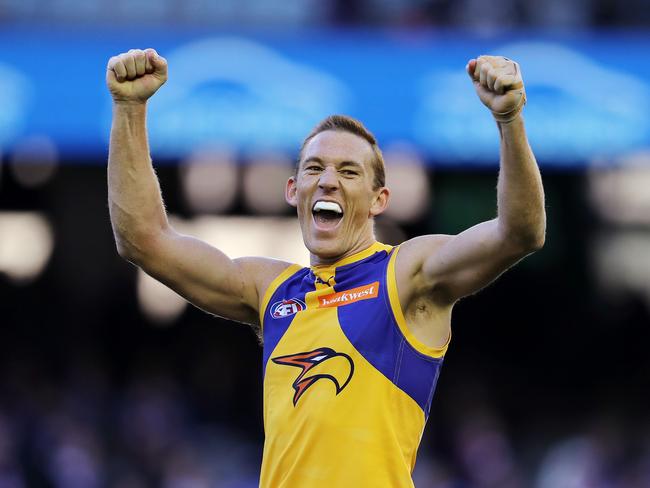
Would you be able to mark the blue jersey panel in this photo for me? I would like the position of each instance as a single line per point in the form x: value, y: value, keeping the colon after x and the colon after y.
x: 371, y: 327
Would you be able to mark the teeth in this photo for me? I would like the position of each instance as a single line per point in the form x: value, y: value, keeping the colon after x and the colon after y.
x: 331, y: 206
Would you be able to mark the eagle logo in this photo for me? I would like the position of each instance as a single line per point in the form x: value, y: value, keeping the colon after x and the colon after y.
x: 320, y: 363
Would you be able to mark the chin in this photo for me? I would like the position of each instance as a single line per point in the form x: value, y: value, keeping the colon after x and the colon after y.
x: 325, y: 248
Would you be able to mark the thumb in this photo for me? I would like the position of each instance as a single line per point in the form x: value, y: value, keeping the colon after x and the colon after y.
x: 157, y: 62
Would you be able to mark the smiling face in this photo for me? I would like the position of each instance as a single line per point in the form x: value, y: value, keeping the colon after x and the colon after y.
x: 333, y: 192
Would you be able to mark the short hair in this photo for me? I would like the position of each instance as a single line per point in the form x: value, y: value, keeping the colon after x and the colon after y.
x: 345, y: 123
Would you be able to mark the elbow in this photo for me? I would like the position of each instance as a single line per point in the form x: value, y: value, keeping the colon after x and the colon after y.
x: 526, y: 240
x: 126, y: 250
x: 136, y: 243
x: 531, y: 241
x: 134, y: 249
x: 537, y: 242
x: 537, y: 237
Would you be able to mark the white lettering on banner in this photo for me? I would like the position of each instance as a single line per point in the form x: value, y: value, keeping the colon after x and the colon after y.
x: 346, y: 297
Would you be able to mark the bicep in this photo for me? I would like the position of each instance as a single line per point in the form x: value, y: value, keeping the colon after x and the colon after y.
x: 204, y: 275
x: 459, y: 265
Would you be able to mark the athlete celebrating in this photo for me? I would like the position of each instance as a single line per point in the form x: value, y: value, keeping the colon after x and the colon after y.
x: 353, y: 344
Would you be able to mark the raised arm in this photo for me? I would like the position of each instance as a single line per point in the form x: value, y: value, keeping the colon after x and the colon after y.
x: 202, y: 274
x: 450, y: 267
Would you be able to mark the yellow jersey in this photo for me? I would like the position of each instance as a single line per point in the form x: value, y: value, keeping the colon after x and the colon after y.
x: 347, y: 387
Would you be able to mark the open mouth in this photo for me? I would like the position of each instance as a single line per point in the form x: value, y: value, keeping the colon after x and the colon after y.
x: 327, y: 215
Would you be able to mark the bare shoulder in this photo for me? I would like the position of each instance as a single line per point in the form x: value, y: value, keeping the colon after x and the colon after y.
x: 413, y: 253
x: 428, y: 316
x: 262, y: 271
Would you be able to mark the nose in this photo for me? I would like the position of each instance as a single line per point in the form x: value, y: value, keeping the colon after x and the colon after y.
x: 329, y: 180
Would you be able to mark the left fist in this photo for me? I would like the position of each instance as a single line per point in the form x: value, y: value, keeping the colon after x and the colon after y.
x: 498, y: 83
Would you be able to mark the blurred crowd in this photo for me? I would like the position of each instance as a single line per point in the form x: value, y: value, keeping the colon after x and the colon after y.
x: 84, y: 432
x: 471, y: 14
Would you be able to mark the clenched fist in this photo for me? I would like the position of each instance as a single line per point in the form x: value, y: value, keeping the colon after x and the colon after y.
x: 135, y: 75
x: 499, y: 85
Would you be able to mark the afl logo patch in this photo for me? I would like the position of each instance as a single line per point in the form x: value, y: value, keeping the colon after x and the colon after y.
x: 286, y: 308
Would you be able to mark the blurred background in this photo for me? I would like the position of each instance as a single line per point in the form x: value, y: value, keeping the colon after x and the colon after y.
x: 108, y: 379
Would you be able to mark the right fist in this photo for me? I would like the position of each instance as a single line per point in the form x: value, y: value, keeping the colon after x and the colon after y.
x: 135, y: 75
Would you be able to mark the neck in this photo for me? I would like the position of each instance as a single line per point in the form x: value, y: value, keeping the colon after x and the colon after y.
x: 361, y: 245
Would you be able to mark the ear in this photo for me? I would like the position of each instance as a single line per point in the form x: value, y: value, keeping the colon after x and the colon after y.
x: 290, y: 192
x: 380, y: 201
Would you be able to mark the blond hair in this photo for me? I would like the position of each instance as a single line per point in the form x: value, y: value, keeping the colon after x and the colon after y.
x: 348, y: 124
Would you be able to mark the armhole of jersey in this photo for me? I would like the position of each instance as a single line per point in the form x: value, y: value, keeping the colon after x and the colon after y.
x: 396, y: 307
x: 277, y: 281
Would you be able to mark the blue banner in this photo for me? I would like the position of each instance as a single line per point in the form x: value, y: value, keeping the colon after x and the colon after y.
x: 588, y: 93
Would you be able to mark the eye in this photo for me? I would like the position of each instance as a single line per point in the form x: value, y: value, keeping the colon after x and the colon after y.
x: 312, y: 168
x: 348, y: 172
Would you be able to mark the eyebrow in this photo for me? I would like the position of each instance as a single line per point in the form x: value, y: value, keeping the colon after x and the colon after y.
x: 312, y: 159
x: 316, y: 159
x: 351, y: 163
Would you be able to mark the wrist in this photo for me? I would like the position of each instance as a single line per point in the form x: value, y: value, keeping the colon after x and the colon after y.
x: 508, y: 117
x: 515, y: 119
x: 128, y: 102
x: 512, y: 129
x: 129, y: 107
x: 511, y: 115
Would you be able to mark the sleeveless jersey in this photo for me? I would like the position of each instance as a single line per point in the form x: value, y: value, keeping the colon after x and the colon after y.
x: 347, y: 387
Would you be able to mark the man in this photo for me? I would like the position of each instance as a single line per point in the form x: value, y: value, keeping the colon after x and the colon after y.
x: 352, y: 345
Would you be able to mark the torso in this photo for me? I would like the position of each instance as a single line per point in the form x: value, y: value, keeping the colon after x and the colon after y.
x: 347, y: 386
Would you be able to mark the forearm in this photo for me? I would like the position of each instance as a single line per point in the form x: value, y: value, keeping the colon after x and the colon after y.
x: 520, y: 193
x: 135, y: 203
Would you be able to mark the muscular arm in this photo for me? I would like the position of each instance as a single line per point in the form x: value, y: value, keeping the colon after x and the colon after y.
x: 446, y: 268
x: 456, y: 266
x: 202, y: 274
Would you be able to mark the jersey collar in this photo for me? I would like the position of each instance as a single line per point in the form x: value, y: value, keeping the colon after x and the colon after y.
x: 369, y: 251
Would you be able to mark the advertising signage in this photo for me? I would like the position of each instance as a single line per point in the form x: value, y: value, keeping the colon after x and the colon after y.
x: 588, y: 94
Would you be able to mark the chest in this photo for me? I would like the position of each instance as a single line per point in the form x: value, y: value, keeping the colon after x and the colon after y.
x: 313, y: 309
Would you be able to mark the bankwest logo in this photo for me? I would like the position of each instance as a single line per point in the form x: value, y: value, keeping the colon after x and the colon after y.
x: 349, y: 296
